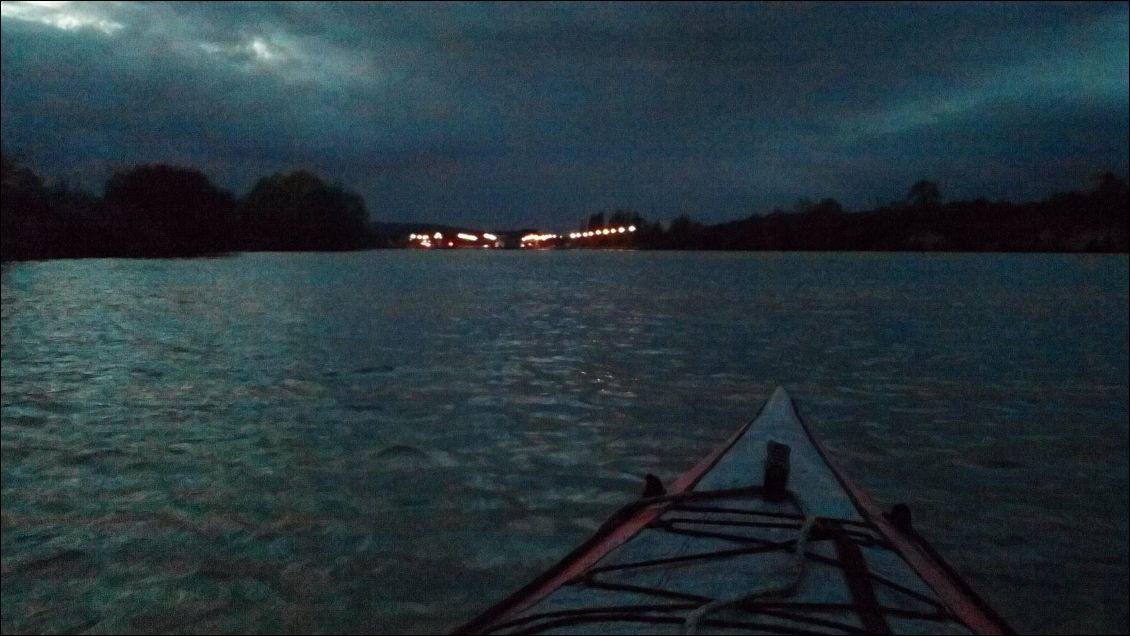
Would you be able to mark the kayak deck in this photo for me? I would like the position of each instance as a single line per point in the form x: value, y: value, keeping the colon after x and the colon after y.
x: 717, y: 555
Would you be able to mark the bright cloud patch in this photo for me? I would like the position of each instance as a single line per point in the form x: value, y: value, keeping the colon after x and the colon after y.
x: 262, y: 51
x: 68, y: 16
x: 256, y: 49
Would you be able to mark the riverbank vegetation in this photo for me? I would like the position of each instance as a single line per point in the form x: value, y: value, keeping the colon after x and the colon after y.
x: 1095, y: 220
x: 159, y: 210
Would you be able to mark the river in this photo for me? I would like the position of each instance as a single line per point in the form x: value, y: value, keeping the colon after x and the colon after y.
x: 390, y: 441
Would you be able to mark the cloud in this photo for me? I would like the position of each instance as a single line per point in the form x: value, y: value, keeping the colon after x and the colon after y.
x: 68, y: 16
x: 537, y: 114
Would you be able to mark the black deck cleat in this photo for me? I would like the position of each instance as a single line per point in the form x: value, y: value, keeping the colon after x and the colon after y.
x: 899, y: 516
x: 776, y: 480
x: 652, y: 487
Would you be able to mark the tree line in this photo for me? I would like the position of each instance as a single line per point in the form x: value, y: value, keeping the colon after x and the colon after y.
x: 1094, y: 220
x: 159, y: 210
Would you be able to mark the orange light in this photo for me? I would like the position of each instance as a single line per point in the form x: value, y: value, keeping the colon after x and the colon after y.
x: 537, y: 238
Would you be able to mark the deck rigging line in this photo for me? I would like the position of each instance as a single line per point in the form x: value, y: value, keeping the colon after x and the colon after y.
x: 770, y: 602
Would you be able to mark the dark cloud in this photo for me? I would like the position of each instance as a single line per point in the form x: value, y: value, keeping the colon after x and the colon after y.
x: 536, y: 114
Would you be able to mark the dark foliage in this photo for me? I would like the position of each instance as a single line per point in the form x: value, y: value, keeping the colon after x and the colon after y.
x: 298, y: 211
x: 1093, y: 221
x: 159, y: 210
x: 924, y: 195
x: 29, y: 226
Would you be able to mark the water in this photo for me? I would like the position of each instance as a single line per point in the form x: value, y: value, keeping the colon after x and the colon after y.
x: 393, y: 440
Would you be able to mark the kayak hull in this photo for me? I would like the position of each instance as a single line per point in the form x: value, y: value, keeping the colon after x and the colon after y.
x: 717, y: 554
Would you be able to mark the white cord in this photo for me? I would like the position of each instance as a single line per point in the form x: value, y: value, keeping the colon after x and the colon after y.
x: 786, y: 588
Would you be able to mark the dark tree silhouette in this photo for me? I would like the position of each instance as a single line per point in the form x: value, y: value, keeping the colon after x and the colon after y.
x: 826, y: 207
x: 685, y: 233
x: 802, y: 205
x: 18, y: 177
x: 28, y: 225
x: 1111, y: 185
x: 160, y: 210
x: 298, y: 211
x: 163, y: 210
x: 924, y: 194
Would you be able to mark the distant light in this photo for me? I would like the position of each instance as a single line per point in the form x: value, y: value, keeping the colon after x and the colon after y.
x: 450, y: 244
x: 489, y: 237
x: 538, y: 237
x: 631, y: 228
x: 412, y: 237
x: 437, y: 236
x: 467, y: 237
x: 622, y: 229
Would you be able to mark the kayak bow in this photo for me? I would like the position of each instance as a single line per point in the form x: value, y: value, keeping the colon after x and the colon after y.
x: 764, y: 535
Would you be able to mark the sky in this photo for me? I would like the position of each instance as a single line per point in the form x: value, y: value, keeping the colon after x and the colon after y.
x: 536, y: 115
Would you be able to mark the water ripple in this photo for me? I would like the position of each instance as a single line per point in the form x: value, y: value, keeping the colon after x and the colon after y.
x: 391, y: 441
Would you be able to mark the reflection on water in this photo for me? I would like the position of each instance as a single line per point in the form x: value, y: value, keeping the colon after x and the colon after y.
x: 391, y: 441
